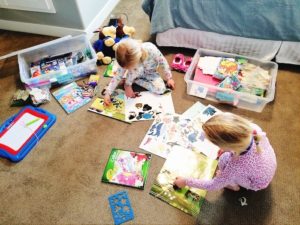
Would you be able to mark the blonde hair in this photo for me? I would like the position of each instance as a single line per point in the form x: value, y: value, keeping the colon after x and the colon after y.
x: 129, y: 52
x: 230, y: 131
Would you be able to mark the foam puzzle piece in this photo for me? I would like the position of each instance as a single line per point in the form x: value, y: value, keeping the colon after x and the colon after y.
x: 120, y: 207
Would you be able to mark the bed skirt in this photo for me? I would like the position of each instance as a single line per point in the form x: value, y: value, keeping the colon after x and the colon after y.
x: 283, y: 52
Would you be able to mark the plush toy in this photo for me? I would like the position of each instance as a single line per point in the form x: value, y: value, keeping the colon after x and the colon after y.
x: 107, y: 32
x: 104, y: 49
x: 123, y: 30
x: 105, y: 46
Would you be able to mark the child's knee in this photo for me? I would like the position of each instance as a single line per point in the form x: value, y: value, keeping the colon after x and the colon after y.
x: 158, y: 87
x: 158, y: 90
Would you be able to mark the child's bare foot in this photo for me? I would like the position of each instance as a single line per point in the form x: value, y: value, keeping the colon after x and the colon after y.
x: 233, y: 187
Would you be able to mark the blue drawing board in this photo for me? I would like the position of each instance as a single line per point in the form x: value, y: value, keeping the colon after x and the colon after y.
x: 21, y: 132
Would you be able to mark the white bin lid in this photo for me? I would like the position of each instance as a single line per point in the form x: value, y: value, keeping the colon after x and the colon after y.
x: 34, y: 47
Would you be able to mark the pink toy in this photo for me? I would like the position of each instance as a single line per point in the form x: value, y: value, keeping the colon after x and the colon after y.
x: 186, y: 64
x: 178, y: 61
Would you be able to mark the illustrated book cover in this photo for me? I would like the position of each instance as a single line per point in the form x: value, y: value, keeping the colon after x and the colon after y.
x: 71, y: 97
x: 184, y: 163
x: 128, y: 168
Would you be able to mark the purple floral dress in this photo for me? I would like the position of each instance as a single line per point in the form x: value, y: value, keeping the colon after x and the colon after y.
x: 145, y: 73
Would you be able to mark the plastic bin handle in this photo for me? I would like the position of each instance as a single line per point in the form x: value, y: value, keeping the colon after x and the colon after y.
x: 34, y: 47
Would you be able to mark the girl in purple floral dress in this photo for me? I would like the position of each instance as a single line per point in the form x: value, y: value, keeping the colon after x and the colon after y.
x: 248, y: 160
x: 138, y: 63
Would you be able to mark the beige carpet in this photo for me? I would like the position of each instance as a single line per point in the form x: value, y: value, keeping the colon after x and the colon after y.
x: 59, y: 180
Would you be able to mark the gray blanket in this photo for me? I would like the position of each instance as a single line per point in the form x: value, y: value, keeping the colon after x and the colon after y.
x: 262, y: 19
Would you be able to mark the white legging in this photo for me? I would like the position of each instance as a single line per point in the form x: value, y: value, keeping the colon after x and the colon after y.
x: 152, y: 82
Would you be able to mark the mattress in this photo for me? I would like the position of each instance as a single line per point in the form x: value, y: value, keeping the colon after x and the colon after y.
x: 259, y: 19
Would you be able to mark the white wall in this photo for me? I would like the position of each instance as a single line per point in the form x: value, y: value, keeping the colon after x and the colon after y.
x: 71, y: 17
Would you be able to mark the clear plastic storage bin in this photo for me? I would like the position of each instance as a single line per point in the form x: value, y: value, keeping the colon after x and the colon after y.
x: 239, y: 99
x: 53, y: 48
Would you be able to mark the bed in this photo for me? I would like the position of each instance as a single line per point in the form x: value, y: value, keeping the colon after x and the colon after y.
x: 264, y: 29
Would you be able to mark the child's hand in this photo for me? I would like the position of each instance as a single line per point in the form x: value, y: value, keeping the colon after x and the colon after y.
x: 129, y: 92
x: 218, y: 173
x: 171, y: 84
x: 180, y: 182
x: 107, y: 100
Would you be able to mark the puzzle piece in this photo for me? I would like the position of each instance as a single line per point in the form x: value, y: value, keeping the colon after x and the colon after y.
x: 120, y: 207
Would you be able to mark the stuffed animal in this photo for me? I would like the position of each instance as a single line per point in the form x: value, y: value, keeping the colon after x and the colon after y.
x: 105, y: 46
x: 123, y: 30
x: 107, y: 32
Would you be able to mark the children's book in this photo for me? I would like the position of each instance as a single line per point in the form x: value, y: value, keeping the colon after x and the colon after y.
x: 70, y: 97
x: 169, y: 130
x: 128, y: 168
x: 227, y: 67
x: 183, y: 163
x: 115, y: 110
x: 164, y: 133
x: 109, y: 70
x: 147, y: 105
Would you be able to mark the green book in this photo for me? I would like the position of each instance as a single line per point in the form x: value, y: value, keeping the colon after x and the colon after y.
x: 127, y: 168
x: 109, y: 70
x: 182, y: 162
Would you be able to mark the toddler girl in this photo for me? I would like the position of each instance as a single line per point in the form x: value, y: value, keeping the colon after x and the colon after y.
x: 248, y: 160
x: 137, y: 63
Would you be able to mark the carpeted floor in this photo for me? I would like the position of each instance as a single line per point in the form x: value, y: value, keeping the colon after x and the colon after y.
x: 59, y: 181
